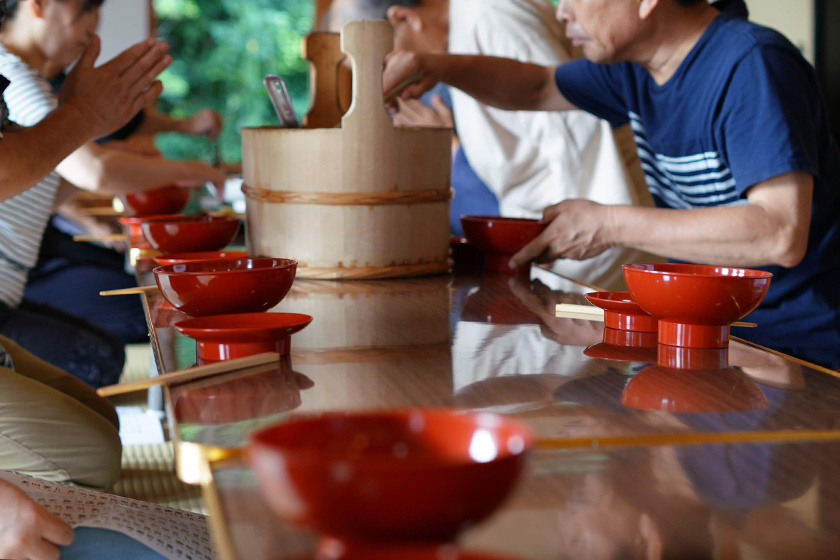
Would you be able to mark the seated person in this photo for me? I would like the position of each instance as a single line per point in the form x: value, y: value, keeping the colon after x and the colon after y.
x: 38, y: 35
x: 735, y: 143
x: 530, y: 161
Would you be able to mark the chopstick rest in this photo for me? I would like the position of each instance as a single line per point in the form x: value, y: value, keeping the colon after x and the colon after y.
x: 181, y: 376
x: 592, y: 313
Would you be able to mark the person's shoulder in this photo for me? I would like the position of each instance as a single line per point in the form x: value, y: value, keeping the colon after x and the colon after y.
x: 742, y: 38
x: 15, y: 69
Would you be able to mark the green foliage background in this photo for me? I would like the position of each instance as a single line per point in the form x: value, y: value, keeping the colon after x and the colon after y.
x: 222, y: 49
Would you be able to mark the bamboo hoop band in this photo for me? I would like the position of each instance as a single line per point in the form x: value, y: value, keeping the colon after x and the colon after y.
x: 372, y: 272
x: 349, y: 199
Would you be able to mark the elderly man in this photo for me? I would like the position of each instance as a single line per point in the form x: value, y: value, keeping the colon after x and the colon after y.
x: 529, y: 161
x: 733, y: 137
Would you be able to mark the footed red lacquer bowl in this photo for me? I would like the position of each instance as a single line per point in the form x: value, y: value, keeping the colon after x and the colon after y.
x: 189, y: 233
x: 622, y: 313
x: 389, y: 478
x: 226, y: 286
x: 695, y: 304
x: 500, y: 238
x: 225, y: 337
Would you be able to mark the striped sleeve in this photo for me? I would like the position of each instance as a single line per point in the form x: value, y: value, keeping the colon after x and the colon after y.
x: 29, y: 96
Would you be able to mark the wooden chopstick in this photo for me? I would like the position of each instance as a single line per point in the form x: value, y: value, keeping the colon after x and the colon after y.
x: 592, y: 313
x: 111, y: 237
x: 129, y: 291
x: 398, y: 89
x: 180, y: 376
x: 100, y: 211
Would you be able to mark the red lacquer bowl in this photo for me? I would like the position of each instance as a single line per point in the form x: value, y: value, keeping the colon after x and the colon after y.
x: 397, y: 476
x: 622, y: 313
x: 190, y: 233
x: 500, y: 238
x: 227, y: 286
x: 624, y: 346
x: 180, y: 258
x: 131, y: 226
x: 244, y: 398
x: 225, y: 337
x: 690, y: 380
x: 166, y: 200
x: 695, y: 304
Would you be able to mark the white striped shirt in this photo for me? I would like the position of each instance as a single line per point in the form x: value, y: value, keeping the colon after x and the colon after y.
x: 24, y: 217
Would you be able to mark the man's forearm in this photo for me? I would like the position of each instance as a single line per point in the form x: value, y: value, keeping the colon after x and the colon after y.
x: 30, y: 154
x: 501, y: 82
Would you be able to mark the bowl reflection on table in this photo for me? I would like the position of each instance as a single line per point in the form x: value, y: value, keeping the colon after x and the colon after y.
x: 624, y: 346
x: 692, y: 380
x: 493, y: 303
x: 245, y: 398
x: 695, y: 304
x: 226, y: 286
x: 226, y: 337
x: 166, y: 200
x: 397, y: 476
x: 500, y: 238
x: 190, y: 233
x: 180, y: 258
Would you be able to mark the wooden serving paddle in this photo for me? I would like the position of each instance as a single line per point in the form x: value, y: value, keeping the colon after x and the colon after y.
x: 592, y: 313
x: 257, y: 362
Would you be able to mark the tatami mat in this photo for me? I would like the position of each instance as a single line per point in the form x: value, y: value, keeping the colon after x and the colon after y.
x: 148, y: 470
x: 147, y: 474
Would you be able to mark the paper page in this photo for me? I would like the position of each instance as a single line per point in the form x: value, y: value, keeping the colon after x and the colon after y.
x: 138, y: 426
x: 174, y: 533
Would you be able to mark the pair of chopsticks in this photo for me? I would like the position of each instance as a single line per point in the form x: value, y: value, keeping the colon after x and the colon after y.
x: 592, y: 313
x: 111, y: 237
x: 257, y: 363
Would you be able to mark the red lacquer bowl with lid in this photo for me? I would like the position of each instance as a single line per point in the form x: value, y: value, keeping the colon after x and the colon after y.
x: 389, y: 478
x: 226, y: 286
x: 189, y: 233
x: 500, y: 238
x: 695, y: 304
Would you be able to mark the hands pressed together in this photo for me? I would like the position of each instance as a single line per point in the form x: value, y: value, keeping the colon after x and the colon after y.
x: 108, y: 97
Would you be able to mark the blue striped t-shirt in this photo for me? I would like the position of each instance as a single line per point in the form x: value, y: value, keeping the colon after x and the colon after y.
x: 743, y: 107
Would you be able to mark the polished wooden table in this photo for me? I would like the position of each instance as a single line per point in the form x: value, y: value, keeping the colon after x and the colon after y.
x: 738, y: 458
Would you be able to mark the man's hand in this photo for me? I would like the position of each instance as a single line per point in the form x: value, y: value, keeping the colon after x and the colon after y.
x: 206, y: 122
x: 578, y: 229
x: 109, y: 96
x: 412, y: 112
x: 27, y: 530
x: 400, y: 65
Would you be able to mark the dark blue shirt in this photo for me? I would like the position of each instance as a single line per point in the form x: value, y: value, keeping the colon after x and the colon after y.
x: 743, y: 107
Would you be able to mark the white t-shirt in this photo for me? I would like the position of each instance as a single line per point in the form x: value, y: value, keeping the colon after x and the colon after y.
x: 24, y: 217
x: 529, y: 159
